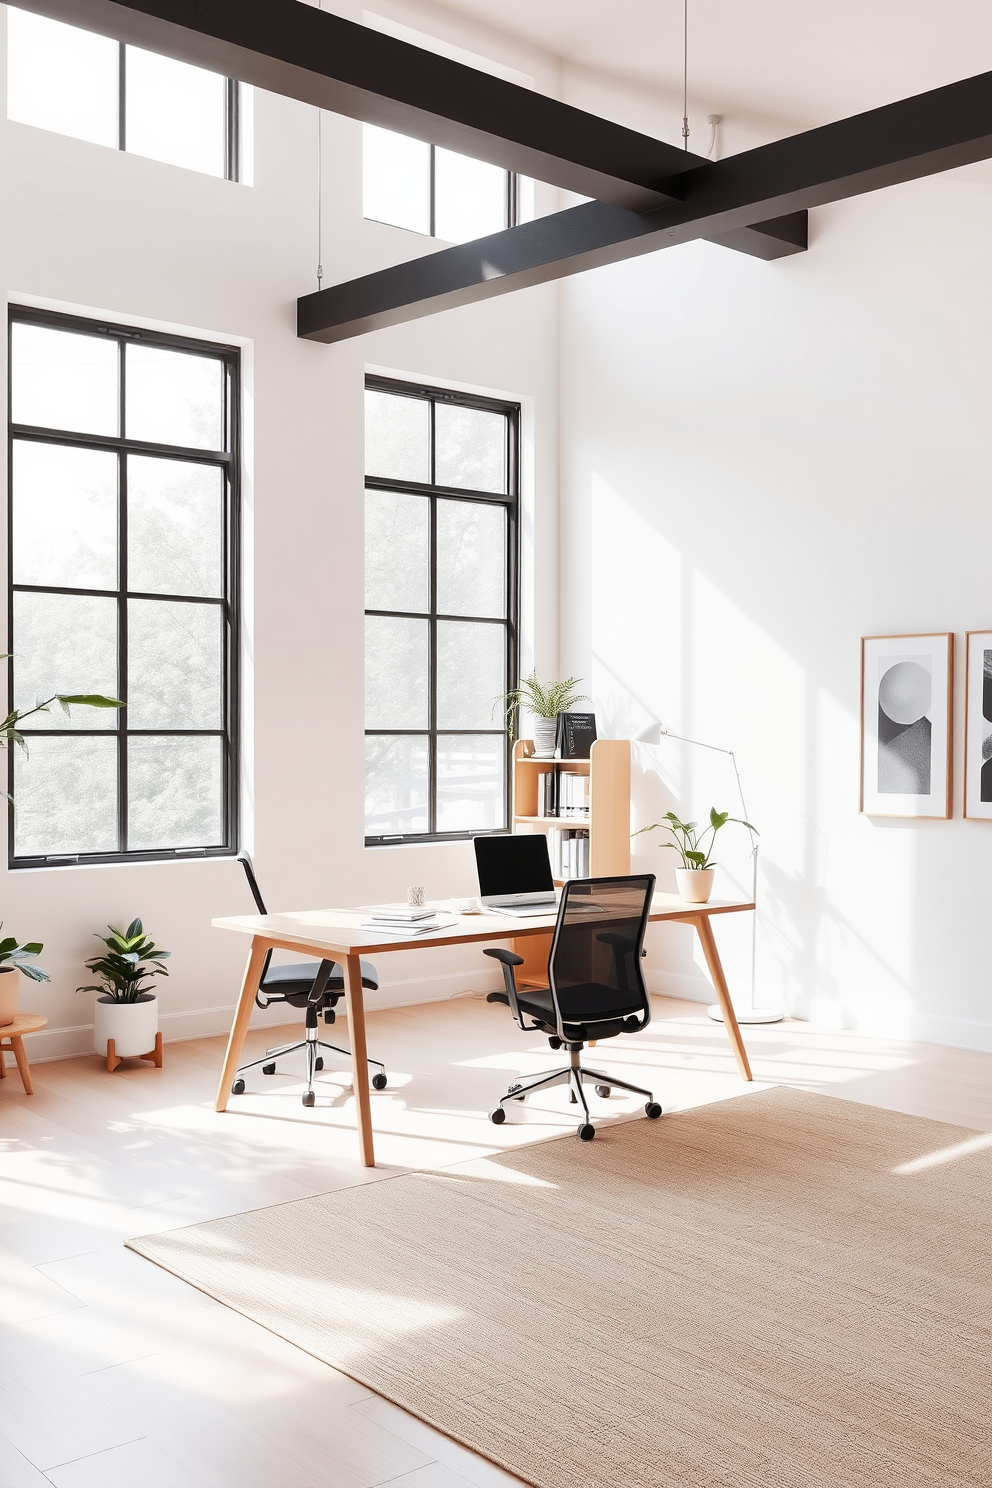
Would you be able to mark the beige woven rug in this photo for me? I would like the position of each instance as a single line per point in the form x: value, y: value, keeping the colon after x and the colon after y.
x: 779, y: 1291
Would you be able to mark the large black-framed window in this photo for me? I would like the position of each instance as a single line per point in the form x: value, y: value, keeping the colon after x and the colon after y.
x: 441, y: 617
x: 124, y: 577
x: 95, y: 88
x: 427, y: 189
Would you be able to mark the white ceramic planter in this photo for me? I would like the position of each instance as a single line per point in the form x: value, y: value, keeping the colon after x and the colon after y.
x: 131, y: 1025
x: 545, y: 730
x: 695, y: 885
x: 10, y: 994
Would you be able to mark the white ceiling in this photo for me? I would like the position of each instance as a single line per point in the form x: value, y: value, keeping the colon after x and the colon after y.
x: 804, y: 61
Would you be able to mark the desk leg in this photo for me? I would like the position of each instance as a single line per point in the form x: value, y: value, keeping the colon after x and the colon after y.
x: 246, y: 1001
x: 705, y: 931
x: 355, y: 1003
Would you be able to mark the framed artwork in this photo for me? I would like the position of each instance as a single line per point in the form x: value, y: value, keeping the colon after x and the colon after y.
x: 978, y: 725
x: 906, y: 717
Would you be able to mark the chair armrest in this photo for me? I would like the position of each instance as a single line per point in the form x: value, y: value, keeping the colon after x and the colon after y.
x: 508, y: 958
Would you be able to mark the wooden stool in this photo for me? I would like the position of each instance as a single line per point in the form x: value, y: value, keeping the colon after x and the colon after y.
x: 12, y: 1038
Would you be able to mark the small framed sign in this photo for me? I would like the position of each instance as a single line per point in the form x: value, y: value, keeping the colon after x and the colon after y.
x: 906, y: 717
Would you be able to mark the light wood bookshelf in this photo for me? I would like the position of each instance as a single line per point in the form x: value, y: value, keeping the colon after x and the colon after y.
x: 608, y: 822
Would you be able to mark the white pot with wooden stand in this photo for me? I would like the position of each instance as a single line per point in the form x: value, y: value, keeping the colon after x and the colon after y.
x: 10, y: 994
x: 695, y: 885
x: 127, y: 1030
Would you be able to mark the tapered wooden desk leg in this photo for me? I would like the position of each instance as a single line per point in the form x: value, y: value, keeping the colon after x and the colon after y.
x: 705, y: 931
x: 239, y: 1028
x: 355, y: 1004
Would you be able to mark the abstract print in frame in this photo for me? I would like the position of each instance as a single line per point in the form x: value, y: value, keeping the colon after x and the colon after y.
x: 906, y: 725
x: 978, y: 726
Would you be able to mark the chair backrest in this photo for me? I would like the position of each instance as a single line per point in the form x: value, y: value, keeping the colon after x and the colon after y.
x: 597, y: 945
x: 256, y: 892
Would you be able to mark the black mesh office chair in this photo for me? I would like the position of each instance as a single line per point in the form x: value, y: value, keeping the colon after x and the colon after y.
x: 314, y: 985
x: 595, y: 986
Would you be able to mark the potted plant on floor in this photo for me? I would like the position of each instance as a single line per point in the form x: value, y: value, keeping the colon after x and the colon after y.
x: 125, y: 1011
x: 14, y: 958
x: 544, y: 700
x: 695, y: 877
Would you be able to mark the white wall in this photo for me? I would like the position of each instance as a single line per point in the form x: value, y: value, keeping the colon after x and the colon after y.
x: 94, y: 230
x: 761, y: 463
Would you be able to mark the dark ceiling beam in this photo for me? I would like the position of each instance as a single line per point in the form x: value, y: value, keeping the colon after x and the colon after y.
x: 322, y: 59
x: 936, y: 131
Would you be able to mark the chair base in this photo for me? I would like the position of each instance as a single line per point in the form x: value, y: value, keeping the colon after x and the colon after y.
x: 312, y: 1045
x: 573, y: 1075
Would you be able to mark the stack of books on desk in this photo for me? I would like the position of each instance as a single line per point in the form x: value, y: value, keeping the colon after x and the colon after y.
x: 405, y: 919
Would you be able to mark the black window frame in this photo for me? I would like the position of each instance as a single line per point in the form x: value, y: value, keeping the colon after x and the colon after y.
x: 510, y: 501
x: 232, y: 116
x: 229, y: 461
x: 512, y: 199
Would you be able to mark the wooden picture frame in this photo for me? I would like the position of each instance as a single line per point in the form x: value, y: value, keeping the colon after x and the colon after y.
x: 978, y: 725
x: 907, y: 713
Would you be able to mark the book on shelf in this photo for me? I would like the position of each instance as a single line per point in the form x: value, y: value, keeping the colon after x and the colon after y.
x: 568, y: 849
x: 575, y: 735
x: 562, y: 793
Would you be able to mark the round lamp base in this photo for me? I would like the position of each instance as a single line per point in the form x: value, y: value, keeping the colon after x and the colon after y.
x: 750, y: 1015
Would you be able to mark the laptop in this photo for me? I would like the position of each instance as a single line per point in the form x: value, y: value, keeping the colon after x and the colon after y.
x: 515, y: 874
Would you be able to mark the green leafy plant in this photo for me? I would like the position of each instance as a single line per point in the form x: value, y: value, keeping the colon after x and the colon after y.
x: 130, y: 961
x: 690, y: 839
x: 10, y: 728
x: 542, y: 699
x: 21, y: 957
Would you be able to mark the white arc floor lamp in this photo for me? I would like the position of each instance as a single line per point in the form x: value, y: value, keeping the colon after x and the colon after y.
x: 653, y: 734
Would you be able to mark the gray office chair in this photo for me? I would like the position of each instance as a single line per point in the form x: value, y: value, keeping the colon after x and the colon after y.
x: 315, y: 985
x: 595, y: 987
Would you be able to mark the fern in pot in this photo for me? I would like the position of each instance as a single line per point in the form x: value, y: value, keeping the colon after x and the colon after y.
x: 125, y: 1010
x: 544, y: 701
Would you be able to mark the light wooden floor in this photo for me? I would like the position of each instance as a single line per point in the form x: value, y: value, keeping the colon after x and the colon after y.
x: 114, y: 1374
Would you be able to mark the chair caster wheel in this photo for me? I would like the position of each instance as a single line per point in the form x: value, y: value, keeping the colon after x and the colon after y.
x: 309, y: 1098
x: 572, y: 1098
x: 586, y: 1132
x: 268, y: 1069
x: 238, y: 1088
x: 652, y: 1110
x: 318, y: 1063
x: 497, y: 1115
x: 604, y: 1091
x: 379, y: 1081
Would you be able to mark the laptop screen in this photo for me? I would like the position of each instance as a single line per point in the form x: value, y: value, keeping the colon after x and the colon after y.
x: 517, y: 864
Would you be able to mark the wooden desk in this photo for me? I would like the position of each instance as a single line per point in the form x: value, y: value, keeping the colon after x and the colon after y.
x: 334, y: 935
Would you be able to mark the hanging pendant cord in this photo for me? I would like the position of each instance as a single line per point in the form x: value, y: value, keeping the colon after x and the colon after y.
x: 685, y: 73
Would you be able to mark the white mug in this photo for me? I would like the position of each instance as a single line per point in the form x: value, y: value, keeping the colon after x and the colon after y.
x: 416, y: 895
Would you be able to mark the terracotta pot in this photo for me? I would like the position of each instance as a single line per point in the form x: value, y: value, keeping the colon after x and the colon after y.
x: 10, y: 993
x: 695, y: 884
x: 131, y: 1025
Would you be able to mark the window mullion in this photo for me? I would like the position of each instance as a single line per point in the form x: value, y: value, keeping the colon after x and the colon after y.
x: 122, y: 97
x: 432, y: 654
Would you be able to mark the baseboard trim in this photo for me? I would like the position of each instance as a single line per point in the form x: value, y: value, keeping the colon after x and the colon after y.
x: 957, y: 1033
x: 76, y: 1040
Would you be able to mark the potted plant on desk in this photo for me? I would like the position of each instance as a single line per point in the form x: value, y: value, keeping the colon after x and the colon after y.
x: 695, y: 877
x: 125, y: 1014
